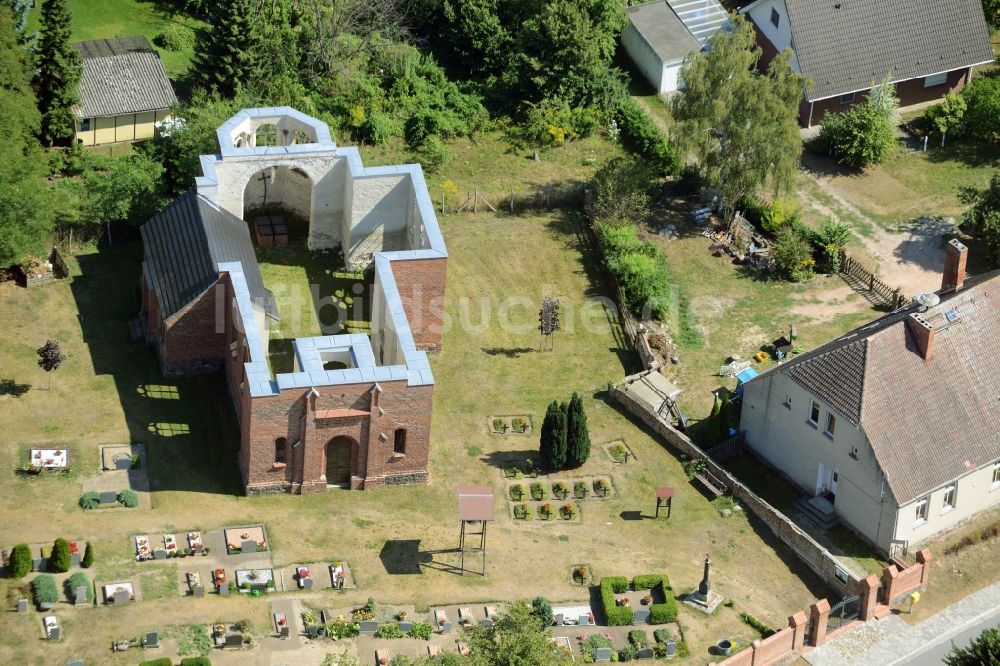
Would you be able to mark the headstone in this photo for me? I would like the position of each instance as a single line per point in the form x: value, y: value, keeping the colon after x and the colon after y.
x: 585, y: 620
x: 234, y: 641
x: 368, y: 627
x: 405, y: 627
x: 487, y: 622
x: 446, y: 629
x: 22, y: 605
x: 559, y: 619
x: 152, y: 640
x: 249, y: 546
x: 224, y: 589
x: 671, y: 649
x: 160, y: 554
x: 645, y: 653
x: 602, y: 654
x: 123, y: 462
x: 307, y: 583
x: 55, y: 633
x: 283, y: 631
x: 198, y: 591
x: 122, y: 597
x: 109, y: 497
x: 80, y: 596
x: 38, y: 564
x: 74, y: 559
x: 640, y: 616
x: 312, y: 631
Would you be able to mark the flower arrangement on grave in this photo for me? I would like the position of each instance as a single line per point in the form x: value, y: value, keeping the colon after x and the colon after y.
x: 545, y: 511
x: 647, y: 600
x: 567, y: 511
x: 560, y: 490
x: 624, y: 601
x: 254, y: 574
x: 601, y: 487
x: 519, y: 424
x: 245, y: 535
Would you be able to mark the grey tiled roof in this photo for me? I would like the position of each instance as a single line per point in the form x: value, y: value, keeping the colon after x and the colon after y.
x: 845, y: 46
x: 185, y: 243
x: 928, y: 422
x: 121, y: 76
x: 665, y: 33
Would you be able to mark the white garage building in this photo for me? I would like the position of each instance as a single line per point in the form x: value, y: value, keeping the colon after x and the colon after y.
x: 659, y: 35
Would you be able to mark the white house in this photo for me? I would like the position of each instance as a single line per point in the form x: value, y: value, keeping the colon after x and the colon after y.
x: 892, y: 428
x: 659, y: 35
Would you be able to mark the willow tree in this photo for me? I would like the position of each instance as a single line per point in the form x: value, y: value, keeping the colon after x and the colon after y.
x: 740, y: 125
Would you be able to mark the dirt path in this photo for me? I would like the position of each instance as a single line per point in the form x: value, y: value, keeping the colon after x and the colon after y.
x: 911, y: 260
x: 655, y: 114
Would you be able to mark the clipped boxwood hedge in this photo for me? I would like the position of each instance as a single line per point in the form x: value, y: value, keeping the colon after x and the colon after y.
x: 162, y: 661
x: 616, y: 616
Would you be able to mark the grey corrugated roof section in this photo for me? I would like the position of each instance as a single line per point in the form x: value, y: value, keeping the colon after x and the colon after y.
x: 122, y: 76
x: 185, y: 243
x: 846, y: 46
x: 665, y: 33
x: 928, y: 422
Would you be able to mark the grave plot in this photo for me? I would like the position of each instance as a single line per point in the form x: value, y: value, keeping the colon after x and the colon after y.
x: 255, y: 581
x: 618, y: 451
x: 519, y: 424
x: 243, y: 540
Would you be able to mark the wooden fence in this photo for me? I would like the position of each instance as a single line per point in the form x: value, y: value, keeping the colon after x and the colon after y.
x: 863, y: 281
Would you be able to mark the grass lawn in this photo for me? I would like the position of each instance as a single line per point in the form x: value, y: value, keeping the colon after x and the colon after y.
x: 489, y: 366
x: 104, y: 19
x: 492, y: 165
x: 912, y: 183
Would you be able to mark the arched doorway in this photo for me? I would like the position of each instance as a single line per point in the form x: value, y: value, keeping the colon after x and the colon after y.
x: 279, y: 186
x: 338, y: 461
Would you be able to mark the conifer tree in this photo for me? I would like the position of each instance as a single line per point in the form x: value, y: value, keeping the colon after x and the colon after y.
x: 59, y: 70
x: 553, y: 437
x: 88, y: 556
x: 577, y: 435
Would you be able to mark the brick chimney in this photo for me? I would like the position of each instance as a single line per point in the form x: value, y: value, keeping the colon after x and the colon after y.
x: 923, y: 332
x: 956, y: 255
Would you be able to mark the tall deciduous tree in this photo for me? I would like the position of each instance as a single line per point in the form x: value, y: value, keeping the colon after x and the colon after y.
x: 984, y: 215
x: 59, y: 70
x: 19, y: 10
x: 514, y: 639
x: 25, y: 208
x: 739, y: 124
x: 122, y: 189
x: 553, y: 437
x: 577, y: 434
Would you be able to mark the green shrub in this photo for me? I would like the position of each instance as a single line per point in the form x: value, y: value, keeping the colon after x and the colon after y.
x: 665, y: 612
x: 792, y: 255
x: 388, y: 630
x: 861, y: 136
x: 617, y: 241
x: 778, y: 214
x: 662, y: 636
x: 982, y: 116
x: 639, y: 134
x: 639, y: 638
x: 761, y: 628
x: 90, y: 500
x: 646, y: 581
x: 129, y: 498
x: 516, y: 492
x: 542, y: 609
x: 20, y: 561
x: 623, y: 190
x: 175, y: 37
x: 579, y: 489
x: 595, y: 641
x: 948, y: 117
x: 433, y: 154
x: 60, y: 560
x: 422, y: 631
x: 79, y: 579
x: 44, y: 589
x: 614, y: 615
x: 538, y: 492
x: 552, y: 123
x: 560, y: 490
x: 644, y: 282
x: 196, y: 661
x: 162, y: 661
x: 88, y: 556
x: 628, y: 653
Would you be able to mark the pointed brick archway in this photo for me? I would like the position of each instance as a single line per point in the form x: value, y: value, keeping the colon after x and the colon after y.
x: 339, y: 456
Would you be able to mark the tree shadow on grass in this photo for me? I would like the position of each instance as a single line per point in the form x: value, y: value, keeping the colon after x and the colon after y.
x: 12, y: 388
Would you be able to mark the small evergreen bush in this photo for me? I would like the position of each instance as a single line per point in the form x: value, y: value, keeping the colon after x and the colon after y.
x: 129, y: 498
x: 20, y: 561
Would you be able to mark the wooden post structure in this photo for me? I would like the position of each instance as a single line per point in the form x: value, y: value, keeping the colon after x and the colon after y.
x: 475, y: 509
x: 664, y: 498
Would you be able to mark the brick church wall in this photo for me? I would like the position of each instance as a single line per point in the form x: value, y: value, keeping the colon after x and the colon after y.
x: 421, y: 287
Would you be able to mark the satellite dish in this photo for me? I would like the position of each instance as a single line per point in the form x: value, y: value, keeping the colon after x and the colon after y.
x: 928, y: 300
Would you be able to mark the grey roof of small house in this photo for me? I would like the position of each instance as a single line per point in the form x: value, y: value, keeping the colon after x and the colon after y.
x: 186, y: 242
x: 665, y: 33
x: 121, y: 76
x: 928, y: 422
x: 845, y: 46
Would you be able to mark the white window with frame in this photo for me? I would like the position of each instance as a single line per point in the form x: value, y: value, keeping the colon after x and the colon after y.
x: 831, y: 425
x: 921, y: 512
x: 775, y: 17
x: 948, y: 503
x: 847, y: 98
x: 814, y: 413
x: 996, y: 476
x: 936, y: 80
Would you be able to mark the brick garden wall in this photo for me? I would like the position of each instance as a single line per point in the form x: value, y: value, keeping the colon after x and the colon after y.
x: 815, y: 556
x: 421, y: 288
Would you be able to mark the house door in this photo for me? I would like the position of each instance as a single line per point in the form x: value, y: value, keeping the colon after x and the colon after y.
x: 338, y: 461
x: 820, y: 479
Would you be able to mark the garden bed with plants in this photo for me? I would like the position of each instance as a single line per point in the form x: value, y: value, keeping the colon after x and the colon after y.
x: 245, y: 578
x: 519, y: 424
x: 546, y: 511
x: 561, y: 490
x: 620, y: 598
x: 618, y: 451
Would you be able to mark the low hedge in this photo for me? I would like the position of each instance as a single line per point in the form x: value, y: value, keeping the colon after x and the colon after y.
x: 615, y: 615
x: 640, y: 135
x: 647, y: 581
x: 658, y: 613
x: 196, y: 661
x: 162, y: 661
